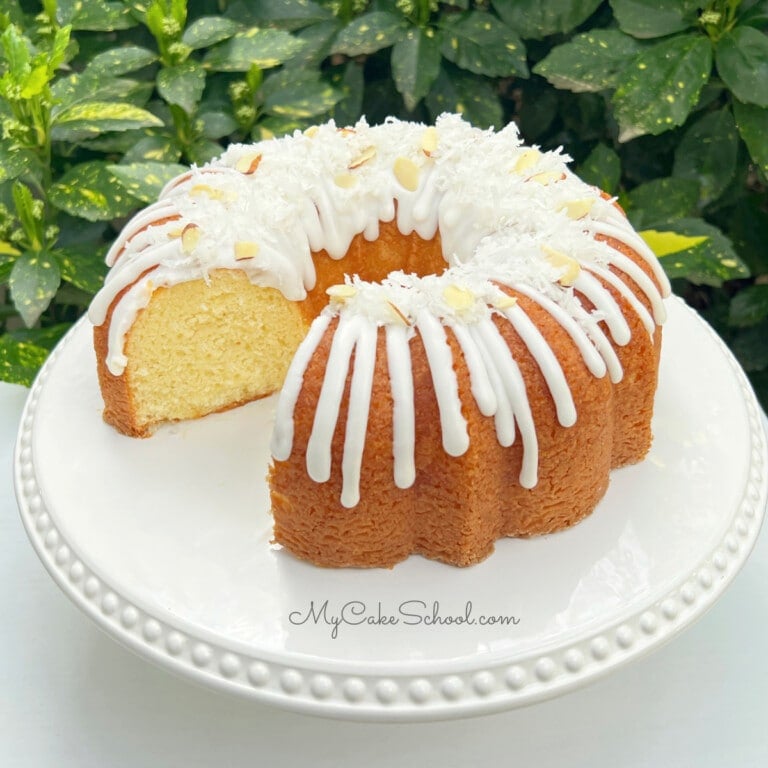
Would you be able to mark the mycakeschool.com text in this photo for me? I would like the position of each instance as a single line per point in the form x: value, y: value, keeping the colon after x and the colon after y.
x: 408, y: 613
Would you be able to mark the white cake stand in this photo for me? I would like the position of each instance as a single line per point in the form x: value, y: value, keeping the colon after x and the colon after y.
x: 165, y: 544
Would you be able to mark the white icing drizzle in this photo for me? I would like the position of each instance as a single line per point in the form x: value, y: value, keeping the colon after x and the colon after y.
x: 357, y: 415
x: 514, y: 386
x: 403, y: 411
x: 282, y: 435
x: 480, y: 383
x: 498, y: 217
x: 548, y: 363
x: 613, y: 280
x: 327, y: 413
x: 606, y: 305
x: 452, y: 421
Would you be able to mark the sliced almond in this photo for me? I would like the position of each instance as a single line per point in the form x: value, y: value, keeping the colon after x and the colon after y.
x: 347, y: 131
x: 505, y: 301
x: 546, y: 177
x: 407, y: 173
x: 429, y: 141
x: 363, y: 157
x: 245, y: 250
x: 345, y: 180
x: 206, y: 189
x: 341, y: 291
x: 248, y: 164
x: 312, y: 131
x: 526, y: 160
x: 190, y: 237
x: 569, y: 266
x: 398, y: 314
x: 578, y: 209
x: 458, y: 298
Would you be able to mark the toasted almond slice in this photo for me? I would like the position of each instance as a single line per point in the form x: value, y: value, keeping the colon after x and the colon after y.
x: 429, y: 140
x: 527, y: 160
x: 345, y: 180
x: 248, y: 164
x: 245, y: 250
x: 571, y: 268
x: 578, y: 209
x: 174, y: 234
x: 398, y: 314
x: 347, y: 131
x: 546, y: 177
x: 190, y: 237
x: 312, y: 131
x: 363, y: 157
x: 206, y: 189
x: 341, y: 291
x: 505, y: 301
x: 407, y: 173
x: 459, y: 298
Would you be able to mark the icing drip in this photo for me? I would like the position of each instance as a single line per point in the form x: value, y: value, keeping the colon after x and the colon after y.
x: 403, y: 414
x: 452, y: 422
x: 547, y: 362
x: 327, y: 413
x: 282, y: 436
x: 357, y: 416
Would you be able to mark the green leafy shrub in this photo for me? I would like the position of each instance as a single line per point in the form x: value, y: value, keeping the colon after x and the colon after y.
x: 663, y: 103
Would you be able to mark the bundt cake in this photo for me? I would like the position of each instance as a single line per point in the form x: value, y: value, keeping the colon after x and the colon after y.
x: 464, y: 335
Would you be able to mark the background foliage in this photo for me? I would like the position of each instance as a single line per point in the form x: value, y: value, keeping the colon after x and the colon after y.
x: 663, y: 103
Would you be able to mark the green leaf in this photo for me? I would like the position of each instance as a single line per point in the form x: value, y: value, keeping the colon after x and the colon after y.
x: 298, y: 94
x: 752, y: 123
x: 349, y: 80
x: 369, y: 33
x: 660, y: 85
x: 316, y: 44
x: 203, y: 151
x: 94, y: 15
x: 710, y: 263
x: 89, y: 87
x: 536, y: 19
x: 602, y: 168
x: 275, y: 126
x: 28, y: 213
x: 182, y: 85
x: 20, y: 361
x: 207, y: 31
x: 659, y: 201
x: 264, y: 48
x: 157, y: 149
x: 45, y: 338
x: 655, y: 18
x: 145, y: 181
x: 33, y: 283
x: 89, y: 119
x: 119, y: 61
x: 749, y: 306
x: 591, y: 61
x: 667, y: 243
x: 482, y: 44
x: 83, y: 267
x: 707, y: 154
x: 91, y: 191
x: 284, y: 14
x: 469, y: 95
x: 751, y: 350
x: 416, y: 64
x: 14, y: 162
x: 742, y: 61
x: 217, y: 124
